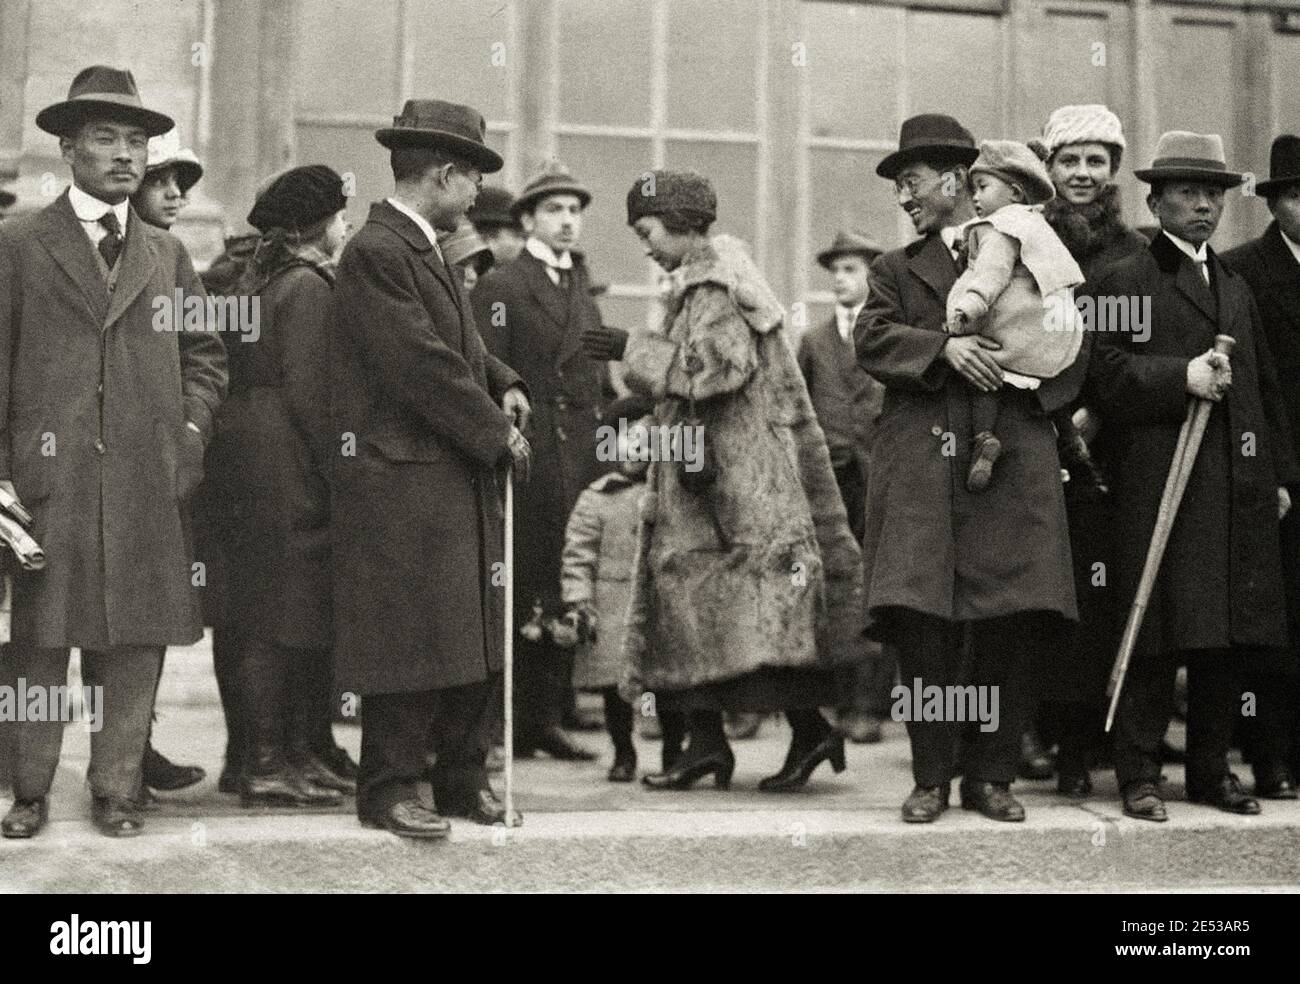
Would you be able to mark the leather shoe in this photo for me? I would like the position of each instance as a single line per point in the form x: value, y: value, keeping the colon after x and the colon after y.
x: 482, y: 807
x: 285, y: 787
x: 26, y: 818
x: 925, y: 804
x: 318, y: 773
x: 116, y: 817
x: 1076, y: 785
x: 1227, y: 795
x: 161, y: 773
x: 692, y: 766
x: 1035, y: 761
x: 1276, y: 784
x: 555, y: 743
x: 147, y: 801
x: 993, y: 799
x: 798, y: 767
x: 861, y: 728
x: 1142, y: 802
x: 623, y: 770
x: 410, y: 818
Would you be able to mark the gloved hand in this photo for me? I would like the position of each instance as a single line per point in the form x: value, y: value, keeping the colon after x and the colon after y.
x: 604, y: 343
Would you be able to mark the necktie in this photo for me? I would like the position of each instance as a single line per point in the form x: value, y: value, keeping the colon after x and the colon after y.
x: 110, y: 247
x: 1204, y: 269
x: 564, y: 278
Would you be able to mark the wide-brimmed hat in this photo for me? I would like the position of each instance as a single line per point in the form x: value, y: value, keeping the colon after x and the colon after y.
x: 464, y: 245
x: 298, y: 198
x: 457, y: 129
x: 929, y: 136
x: 166, y: 151
x: 1015, y: 163
x: 103, y: 92
x: 666, y: 190
x: 553, y: 179
x: 1188, y: 156
x: 848, y: 242
x: 491, y: 210
x: 1283, y: 164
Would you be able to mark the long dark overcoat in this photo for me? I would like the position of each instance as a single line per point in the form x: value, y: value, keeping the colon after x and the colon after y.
x: 415, y: 507
x: 931, y: 546
x: 94, y: 401
x: 265, y: 489
x: 1271, y: 271
x: 1220, y: 583
x: 846, y: 399
x: 536, y: 329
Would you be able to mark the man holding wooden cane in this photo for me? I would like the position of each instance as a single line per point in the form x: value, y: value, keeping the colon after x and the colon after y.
x: 1217, y: 603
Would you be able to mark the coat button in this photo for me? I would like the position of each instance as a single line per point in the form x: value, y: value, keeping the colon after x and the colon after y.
x: 936, y: 430
x: 560, y: 403
x: 560, y: 435
x: 99, y: 446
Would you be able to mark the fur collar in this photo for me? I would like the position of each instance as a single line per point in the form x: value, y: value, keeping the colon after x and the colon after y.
x: 725, y: 261
x: 1087, y: 229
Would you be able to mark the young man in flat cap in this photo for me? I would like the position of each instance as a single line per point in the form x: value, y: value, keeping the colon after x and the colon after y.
x: 1271, y: 267
x: 103, y: 423
x: 847, y: 402
x: 532, y: 312
x: 966, y: 587
x: 1219, y: 601
x: 427, y: 421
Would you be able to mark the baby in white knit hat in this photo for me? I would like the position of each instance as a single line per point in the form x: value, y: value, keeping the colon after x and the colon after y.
x: 1017, y: 288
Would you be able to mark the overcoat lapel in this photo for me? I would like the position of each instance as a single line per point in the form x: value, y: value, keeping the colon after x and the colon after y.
x: 62, y: 236
x: 547, y: 295
x: 135, y: 268
x: 933, y: 264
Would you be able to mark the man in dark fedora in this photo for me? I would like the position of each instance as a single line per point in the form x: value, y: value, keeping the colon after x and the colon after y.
x: 532, y: 312
x: 495, y: 220
x: 1218, y: 603
x: 847, y: 403
x: 427, y: 421
x: 103, y: 423
x: 965, y: 587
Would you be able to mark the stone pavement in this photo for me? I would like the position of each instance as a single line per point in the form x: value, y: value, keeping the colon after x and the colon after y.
x: 582, y: 833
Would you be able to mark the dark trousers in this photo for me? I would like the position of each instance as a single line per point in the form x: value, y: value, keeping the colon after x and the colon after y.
x: 1214, y: 692
x: 228, y: 650
x: 864, y: 688
x: 398, y: 730
x: 989, y: 653
x: 543, y: 673
x: 1271, y: 739
x: 128, y: 676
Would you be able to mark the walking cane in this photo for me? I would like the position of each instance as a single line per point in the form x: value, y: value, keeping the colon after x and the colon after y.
x: 509, y: 652
x: 1180, y: 469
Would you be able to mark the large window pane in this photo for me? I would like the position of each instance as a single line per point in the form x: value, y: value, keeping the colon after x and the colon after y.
x: 452, y: 42
x: 347, y: 57
x: 350, y: 151
x: 595, y: 36
x: 844, y: 193
x: 712, y: 64
x: 733, y: 169
x: 954, y: 65
x: 853, y: 70
x: 608, y: 166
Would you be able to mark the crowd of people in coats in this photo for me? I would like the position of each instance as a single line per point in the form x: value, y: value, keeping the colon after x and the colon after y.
x: 951, y: 482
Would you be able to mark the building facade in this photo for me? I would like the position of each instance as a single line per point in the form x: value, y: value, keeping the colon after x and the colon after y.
x: 787, y: 104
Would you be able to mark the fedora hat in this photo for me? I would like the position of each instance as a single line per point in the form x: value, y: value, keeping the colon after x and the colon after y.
x: 166, y: 151
x: 1283, y: 164
x: 100, y: 91
x: 553, y: 179
x: 446, y: 126
x: 465, y: 245
x: 849, y: 243
x: 929, y: 136
x: 1190, y: 157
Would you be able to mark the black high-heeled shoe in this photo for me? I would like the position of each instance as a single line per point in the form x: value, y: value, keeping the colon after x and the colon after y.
x: 694, y: 766
x: 798, y: 767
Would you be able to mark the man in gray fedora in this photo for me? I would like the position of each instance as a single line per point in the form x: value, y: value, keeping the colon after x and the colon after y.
x: 427, y: 421
x: 1271, y: 267
x: 1219, y: 604
x: 103, y: 424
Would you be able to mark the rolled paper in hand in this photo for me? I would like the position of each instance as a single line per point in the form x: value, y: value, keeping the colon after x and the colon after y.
x: 29, y: 553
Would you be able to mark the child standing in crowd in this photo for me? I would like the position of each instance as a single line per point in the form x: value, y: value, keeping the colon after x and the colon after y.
x: 1017, y: 289
x: 596, y: 586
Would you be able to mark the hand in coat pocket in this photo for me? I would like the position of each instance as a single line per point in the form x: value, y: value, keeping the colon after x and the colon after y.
x: 189, y: 467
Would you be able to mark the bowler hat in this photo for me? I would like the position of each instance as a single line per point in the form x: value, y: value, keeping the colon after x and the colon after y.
x: 1283, y: 164
x: 491, y: 210
x: 166, y: 151
x: 929, y: 136
x: 849, y: 243
x: 1188, y: 156
x: 445, y: 126
x: 553, y: 179
x: 101, y: 92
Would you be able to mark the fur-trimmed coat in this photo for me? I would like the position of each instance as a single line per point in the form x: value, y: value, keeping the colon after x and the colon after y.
x: 760, y: 569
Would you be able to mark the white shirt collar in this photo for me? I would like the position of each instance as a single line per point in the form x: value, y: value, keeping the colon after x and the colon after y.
x: 420, y: 221
x: 90, y: 209
x: 949, y: 235
x: 845, y: 318
x: 1291, y: 244
x: 1196, y: 253
x: 539, y: 249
